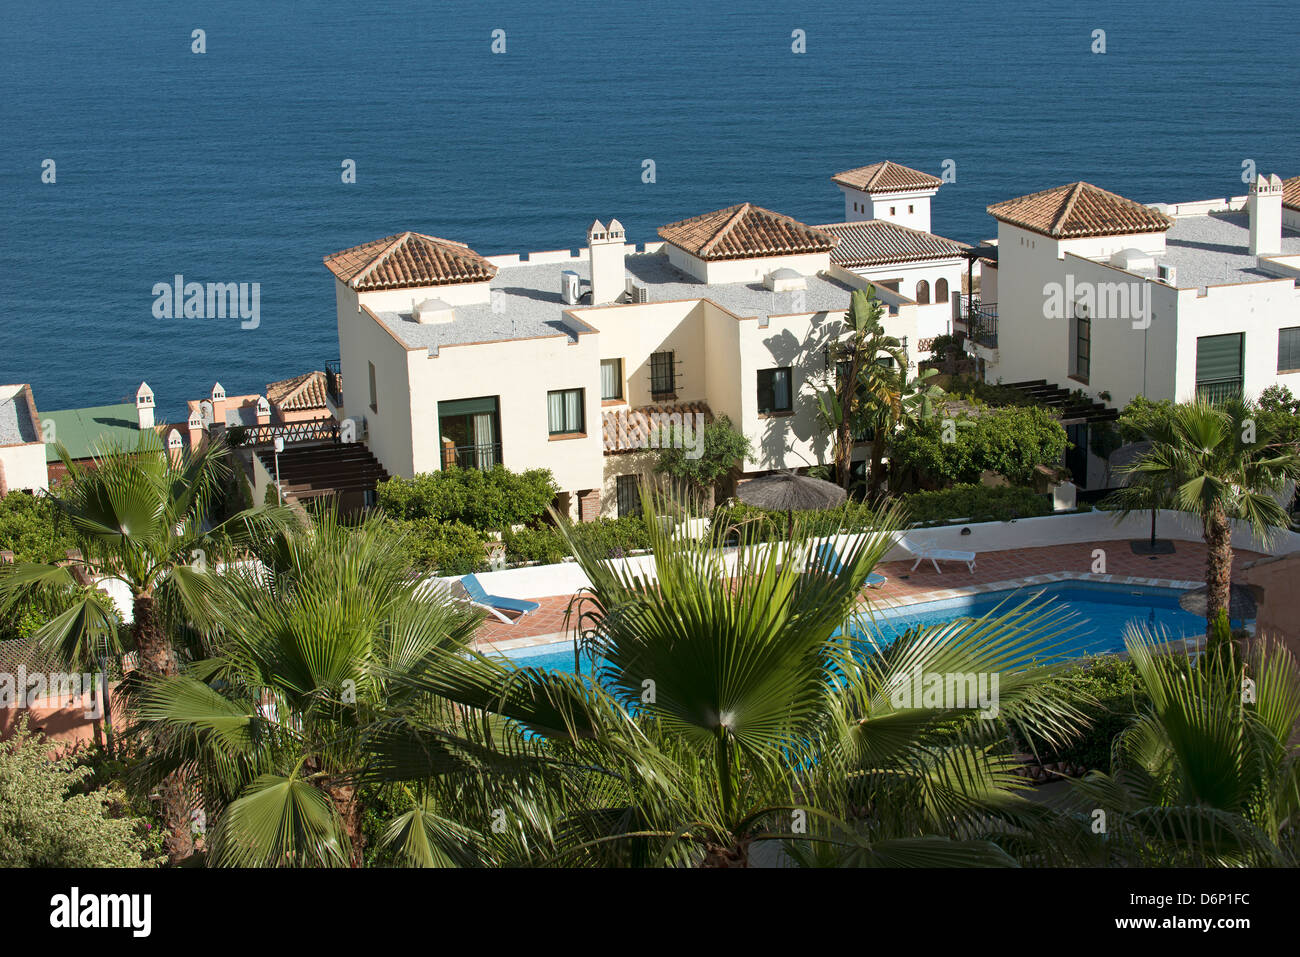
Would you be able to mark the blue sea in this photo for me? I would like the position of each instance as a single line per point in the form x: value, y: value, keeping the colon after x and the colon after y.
x: 226, y: 166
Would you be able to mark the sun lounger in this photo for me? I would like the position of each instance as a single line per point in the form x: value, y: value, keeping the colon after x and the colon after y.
x: 495, y: 603
x: 830, y: 561
x: 924, y: 552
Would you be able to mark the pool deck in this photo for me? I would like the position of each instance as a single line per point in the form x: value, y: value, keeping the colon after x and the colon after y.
x: 994, y: 571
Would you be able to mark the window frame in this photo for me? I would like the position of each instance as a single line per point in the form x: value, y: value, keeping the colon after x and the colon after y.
x: 374, y: 388
x: 582, y: 413
x: 622, y: 390
x: 658, y: 376
x: 1293, y: 350
x: 771, y: 389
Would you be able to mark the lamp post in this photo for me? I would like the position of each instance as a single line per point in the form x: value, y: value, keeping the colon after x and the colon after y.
x: 279, y: 447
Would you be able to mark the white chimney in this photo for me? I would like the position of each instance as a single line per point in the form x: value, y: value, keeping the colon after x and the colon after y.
x: 144, y: 406
x: 431, y: 311
x: 608, y: 270
x: 1265, y: 205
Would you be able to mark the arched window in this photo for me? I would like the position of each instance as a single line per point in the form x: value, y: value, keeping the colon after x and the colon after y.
x: 923, y: 293
x: 941, y: 290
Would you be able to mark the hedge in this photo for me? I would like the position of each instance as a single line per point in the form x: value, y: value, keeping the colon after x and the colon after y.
x: 448, y: 548
x: 483, y: 499
x: 975, y: 503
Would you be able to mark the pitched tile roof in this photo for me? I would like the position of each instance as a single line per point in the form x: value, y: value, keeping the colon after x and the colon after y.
x: 1079, y: 209
x: 738, y: 232
x: 886, y: 177
x: 877, y: 242
x: 303, y: 392
x: 626, y: 429
x: 408, y: 259
x: 1291, y: 193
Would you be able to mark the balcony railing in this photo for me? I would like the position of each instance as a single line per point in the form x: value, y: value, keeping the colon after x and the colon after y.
x: 480, y: 457
x: 1217, y: 390
x: 320, y: 430
x: 980, y: 320
x: 334, y: 381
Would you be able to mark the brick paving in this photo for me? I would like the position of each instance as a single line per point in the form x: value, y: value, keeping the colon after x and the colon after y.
x: 993, y: 570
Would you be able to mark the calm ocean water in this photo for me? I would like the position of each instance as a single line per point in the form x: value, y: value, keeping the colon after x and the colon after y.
x: 225, y: 167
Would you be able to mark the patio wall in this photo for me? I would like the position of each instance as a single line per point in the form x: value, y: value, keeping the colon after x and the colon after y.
x: 565, y: 578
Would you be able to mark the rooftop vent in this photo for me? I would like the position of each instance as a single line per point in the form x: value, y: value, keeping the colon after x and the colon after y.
x: 784, y: 279
x: 432, y: 311
x: 1133, y: 260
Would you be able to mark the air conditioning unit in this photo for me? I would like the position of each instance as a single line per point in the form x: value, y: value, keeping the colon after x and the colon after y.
x: 569, y: 287
x: 1167, y: 274
x: 637, y: 291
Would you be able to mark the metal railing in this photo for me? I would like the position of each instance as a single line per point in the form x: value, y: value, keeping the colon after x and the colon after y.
x: 320, y: 430
x: 334, y: 380
x: 981, y: 321
x: 472, y: 456
x: 1217, y: 390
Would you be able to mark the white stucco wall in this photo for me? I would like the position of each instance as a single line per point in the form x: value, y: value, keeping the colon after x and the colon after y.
x: 24, y: 466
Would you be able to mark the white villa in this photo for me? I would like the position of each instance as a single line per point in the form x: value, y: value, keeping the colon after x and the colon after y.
x: 559, y: 359
x: 1114, y: 298
x: 553, y: 360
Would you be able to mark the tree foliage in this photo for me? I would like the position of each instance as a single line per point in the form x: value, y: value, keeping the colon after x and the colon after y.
x: 484, y: 499
x: 45, y: 823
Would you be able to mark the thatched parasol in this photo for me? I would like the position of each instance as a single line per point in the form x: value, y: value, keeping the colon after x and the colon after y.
x: 788, y: 492
x: 785, y: 492
x: 1241, y: 602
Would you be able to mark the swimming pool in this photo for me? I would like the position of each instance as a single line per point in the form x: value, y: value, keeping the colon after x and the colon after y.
x: 1101, y: 611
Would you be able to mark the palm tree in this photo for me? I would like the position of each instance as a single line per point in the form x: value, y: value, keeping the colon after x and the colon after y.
x: 734, y: 709
x: 1222, y: 464
x: 865, y: 385
x: 143, y: 519
x: 1204, y: 775
x: 309, y: 713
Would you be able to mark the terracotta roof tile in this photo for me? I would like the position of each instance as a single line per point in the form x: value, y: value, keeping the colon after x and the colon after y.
x: 1079, y: 209
x: 886, y: 177
x: 739, y: 232
x: 628, y: 430
x: 303, y: 392
x: 877, y: 242
x: 408, y: 259
x: 1291, y: 193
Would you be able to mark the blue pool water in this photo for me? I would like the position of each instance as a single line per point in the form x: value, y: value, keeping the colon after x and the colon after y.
x: 1101, y: 612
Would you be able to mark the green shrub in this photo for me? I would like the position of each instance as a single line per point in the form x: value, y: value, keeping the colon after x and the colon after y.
x: 608, y: 536
x: 1107, y: 690
x: 487, y: 500
x: 542, y: 544
x: 44, y: 823
x: 1012, y: 441
x: 29, y: 529
x: 614, y: 536
x: 976, y: 503
x: 445, y: 548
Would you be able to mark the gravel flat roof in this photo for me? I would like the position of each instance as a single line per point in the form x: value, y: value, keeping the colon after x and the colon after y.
x: 1212, y: 250
x: 16, y: 425
x: 526, y: 302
